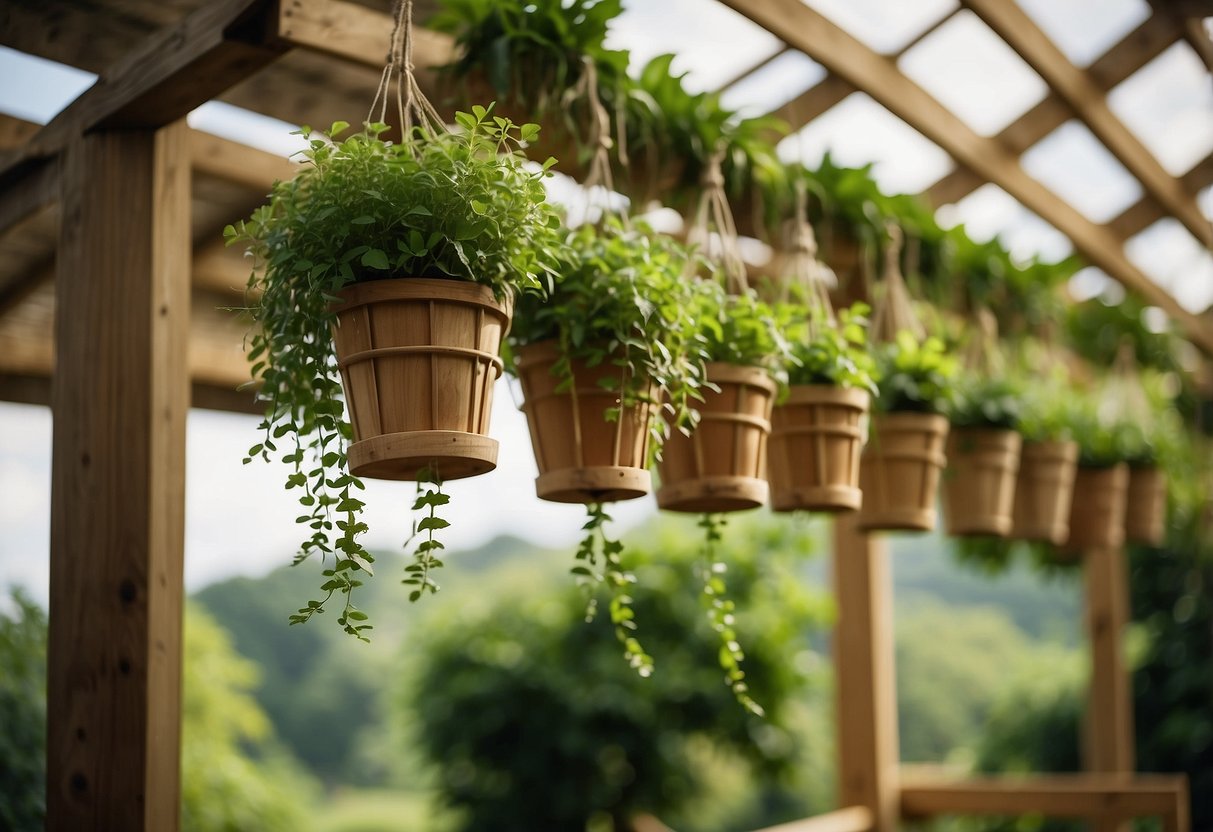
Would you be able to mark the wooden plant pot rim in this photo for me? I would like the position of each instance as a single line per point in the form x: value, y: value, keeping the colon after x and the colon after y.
x: 1044, y: 491
x: 826, y: 478
x: 979, y: 482
x: 888, y: 504
x: 722, y: 492
x: 628, y: 479
x: 402, y: 455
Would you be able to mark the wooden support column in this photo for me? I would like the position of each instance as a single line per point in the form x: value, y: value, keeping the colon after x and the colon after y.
x: 1108, y: 736
x: 866, y: 700
x: 119, y: 396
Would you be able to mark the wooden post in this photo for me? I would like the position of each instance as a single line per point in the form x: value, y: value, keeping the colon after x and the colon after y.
x: 119, y: 396
x: 1108, y: 735
x: 866, y: 702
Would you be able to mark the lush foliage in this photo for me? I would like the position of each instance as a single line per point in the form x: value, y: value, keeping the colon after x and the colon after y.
x: 915, y: 377
x: 834, y: 355
x: 739, y: 329
x: 986, y: 403
x: 458, y: 205
x: 23, y: 715
x: 533, y: 703
x: 622, y: 297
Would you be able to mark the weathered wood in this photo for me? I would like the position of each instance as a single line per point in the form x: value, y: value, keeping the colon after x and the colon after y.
x: 1128, y: 55
x: 834, y: 48
x: 120, y: 395
x: 355, y: 32
x: 865, y: 687
x: 234, y: 162
x: 1098, y: 797
x: 1086, y: 100
x: 37, y: 188
x: 166, y: 76
x: 851, y: 819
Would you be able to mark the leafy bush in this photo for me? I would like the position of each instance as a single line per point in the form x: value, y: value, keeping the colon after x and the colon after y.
x: 987, y: 403
x: 914, y: 377
x: 23, y: 715
x: 836, y: 356
x: 739, y: 329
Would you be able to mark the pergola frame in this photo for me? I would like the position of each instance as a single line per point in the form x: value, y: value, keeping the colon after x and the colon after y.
x: 116, y: 165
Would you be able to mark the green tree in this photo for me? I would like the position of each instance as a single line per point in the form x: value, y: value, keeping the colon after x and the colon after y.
x: 22, y: 715
x: 533, y: 720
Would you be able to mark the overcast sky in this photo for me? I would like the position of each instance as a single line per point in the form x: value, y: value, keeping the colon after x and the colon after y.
x: 240, y: 521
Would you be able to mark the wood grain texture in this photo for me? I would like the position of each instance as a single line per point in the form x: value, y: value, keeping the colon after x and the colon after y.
x: 120, y: 395
x: 1087, y: 101
x: 865, y: 676
x: 840, y: 52
x: 1108, y: 739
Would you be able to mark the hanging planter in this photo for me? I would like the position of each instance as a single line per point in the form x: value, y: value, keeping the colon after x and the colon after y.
x: 418, y: 361
x: 721, y: 466
x: 979, y: 485
x: 1044, y: 491
x: 1146, y: 511
x: 389, y: 269
x: 902, y: 462
x: 1097, y: 516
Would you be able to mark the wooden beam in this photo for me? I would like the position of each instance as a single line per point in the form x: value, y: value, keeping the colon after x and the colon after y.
x: 753, y: 68
x: 355, y: 32
x: 166, y: 76
x: 1077, y: 796
x: 29, y: 194
x: 1128, y: 55
x: 832, y: 90
x: 36, y: 389
x: 851, y: 819
x: 865, y: 690
x: 1084, y: 97
x: 1145, y: 212
x: 234, y: 162
x: 1109, y: 724
x: 120, y: 395
x: 825, y: 42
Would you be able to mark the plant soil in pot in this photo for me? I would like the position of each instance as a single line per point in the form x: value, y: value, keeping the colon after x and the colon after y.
x: 418, y: 361
x: 583, y: 456
x: 1097, y: 515
x: 1146, y: 510
x: 1044, y: 491
x: 721, y: 466
x: 899, y: 471
x: 816, y: 438
x: 979, y: 484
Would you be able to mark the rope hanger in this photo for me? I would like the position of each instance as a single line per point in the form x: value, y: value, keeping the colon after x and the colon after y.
x: 412, y: 107
x: 713, y: 213
x: 893, y: 310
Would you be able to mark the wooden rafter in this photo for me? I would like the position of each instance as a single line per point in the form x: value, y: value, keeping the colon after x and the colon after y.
x: 1128, y: 55
x: 1145, y: 212
x: 1088, y: 102
x: 843, y: 54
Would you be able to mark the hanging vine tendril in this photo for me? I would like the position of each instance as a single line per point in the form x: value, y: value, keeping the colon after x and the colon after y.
x: 721, y: 612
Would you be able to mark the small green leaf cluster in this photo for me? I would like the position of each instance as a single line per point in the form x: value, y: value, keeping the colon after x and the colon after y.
x: 837, y: 356
x: 599, y: 562
x: 620, y: 298
x: 721, y: 612
x: 462, y: 205
x: 1104, y: 442
x: 915, y: 377
x: 994, y: 403
x: 740, y: 329
x: 430, y: 497
x: 1048, y: 413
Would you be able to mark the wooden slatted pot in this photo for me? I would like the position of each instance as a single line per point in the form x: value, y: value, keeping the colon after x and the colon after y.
x: 899, y: 472
x: 582, y: 457
x: 816, y: 439
x: 1044, y: 491
x: 721, y: 466
x: 1146, y: 511
x: 418, y: 360
x: 1097, y: 515
x: 979, y: 483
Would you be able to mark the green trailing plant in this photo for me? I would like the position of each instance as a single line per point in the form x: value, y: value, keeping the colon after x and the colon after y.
x: 430, y: 498
x: 599, y: 563
x: 837, y: 356
x: 915, y: 376
x: 621, y: 298
x: 462, y: 205
x: 721, y: 611
x: 740, y: 329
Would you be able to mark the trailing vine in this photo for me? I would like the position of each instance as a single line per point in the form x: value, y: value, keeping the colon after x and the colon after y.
x: 720, y: 612
x: 599, y: 562
x: 425, y: 559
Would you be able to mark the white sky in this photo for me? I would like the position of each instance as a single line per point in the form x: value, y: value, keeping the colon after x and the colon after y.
x: 1169, y: 105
